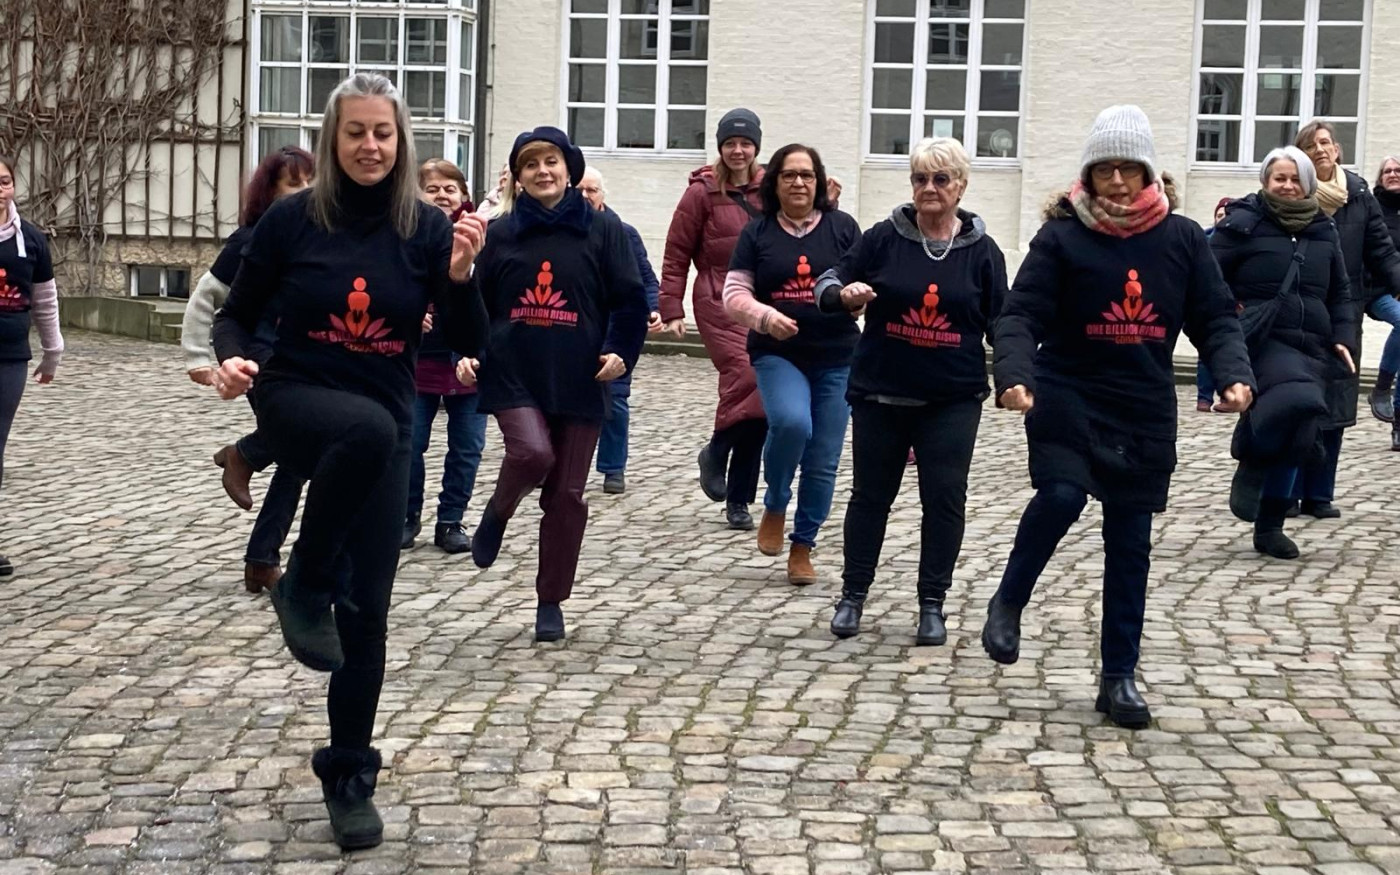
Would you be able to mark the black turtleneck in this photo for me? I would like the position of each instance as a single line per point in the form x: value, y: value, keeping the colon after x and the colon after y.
x: 351, y: 299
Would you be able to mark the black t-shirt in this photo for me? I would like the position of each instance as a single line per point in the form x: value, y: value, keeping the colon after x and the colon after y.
x: 785, y: 270
x: 18, y: 276
x: 225, y: 267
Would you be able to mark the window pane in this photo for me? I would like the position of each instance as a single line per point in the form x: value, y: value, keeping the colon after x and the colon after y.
x: 1283, y: 10
x: 892, y: 89
x: 147, y: 280
x: 177, y: 283
x: 894, y: 43
x: 1279, y: 93
x: 1222, y: 46
x: 378, y: 41
x: 586, y: 126
x: 1226, y: 10
x: 889, y: 134
x: 466, y: 98
x: 896, y: 8
x: 388, y: 73
x: 1337, y: 94
x: 428, y: 144
x: 996, y: 137
x: 947, y: 43
x: 272, y: 139
x: 1222, y: 93
x: 690, y: 7
x: 690, y: 40
x: 425, y: 40
x: 1001, y: 44
x: 281, y: 38
x: 467, y: 49
x: 943, y: 126
x: 599, y: 7
x: 464, y: 156
x: 1280, y: 47
x: 1001, y: 90
x: 949, y: 8
x: 587, y: 83
x: 1217, y: 141
x: 636, y: 129
x: 1271, y: 135
x: 640, y: 7
x: 1339, y: 47
x: 319, y: 85
x: 946, y: 89
x: 638, y: 39
x: 636, y: 83
x: 688, y: 85
x: 330, y: 39
x: 588, y: 38
x: 687, y: 129
x: 314, y: 135
x: 1346, y: 138
x: 280, y: 89
x: 1342, y: 10
x: 1004, y: 9
x: 426, y: 93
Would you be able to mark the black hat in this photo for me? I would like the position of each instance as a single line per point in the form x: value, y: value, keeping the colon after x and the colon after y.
x: 740, y: 123
x: 573, y: 155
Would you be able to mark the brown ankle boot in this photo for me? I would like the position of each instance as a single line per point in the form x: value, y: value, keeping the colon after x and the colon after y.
x: 237, y: 475
x: 771, y: 530
x: 800, y: 570
x: 258, y: 577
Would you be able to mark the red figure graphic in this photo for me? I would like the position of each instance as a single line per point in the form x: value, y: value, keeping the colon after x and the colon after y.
x: 356, y: 322
x: 803, y: 282
x: 1133, y: 308
x: 927, y: 316
x: 543, y: 294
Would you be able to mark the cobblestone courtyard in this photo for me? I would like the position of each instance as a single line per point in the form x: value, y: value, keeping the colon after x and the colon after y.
x: 700, y: 718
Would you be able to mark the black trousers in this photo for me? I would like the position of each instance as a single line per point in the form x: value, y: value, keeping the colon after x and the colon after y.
x: 355, y: 457
x: 279, y: 506
x: 742, y: 444
x: 942, y: 437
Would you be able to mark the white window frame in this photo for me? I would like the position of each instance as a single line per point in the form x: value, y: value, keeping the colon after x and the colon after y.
x: 133, y: 280
x: 919, y: 73
x: 612, y: 63
x: 1250, y: 73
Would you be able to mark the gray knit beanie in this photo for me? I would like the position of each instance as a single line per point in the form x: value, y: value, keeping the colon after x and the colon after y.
x: 740, y: 123
x: 1307, y: 173
x: 1120, y: 133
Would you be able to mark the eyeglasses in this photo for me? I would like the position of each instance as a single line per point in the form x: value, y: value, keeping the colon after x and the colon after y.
x: 940, y: 179
x: 1389, y: 171
x: 806, y: 177
x: 1127, y: 169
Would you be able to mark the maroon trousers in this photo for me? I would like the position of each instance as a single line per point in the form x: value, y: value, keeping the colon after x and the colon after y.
x: 554, y: 454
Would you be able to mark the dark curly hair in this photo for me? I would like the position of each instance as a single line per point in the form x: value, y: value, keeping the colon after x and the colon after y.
x: 262, y: 187
x: 768, y: 189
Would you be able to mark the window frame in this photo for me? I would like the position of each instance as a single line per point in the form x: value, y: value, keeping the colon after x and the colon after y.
x: 919, y: 69
x: 133, y: 280
x: 1248, y: 117
x: 612, y: 64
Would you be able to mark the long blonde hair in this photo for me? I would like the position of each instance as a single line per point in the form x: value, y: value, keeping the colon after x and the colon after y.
x: 403, y: 196
x: 725, y: 177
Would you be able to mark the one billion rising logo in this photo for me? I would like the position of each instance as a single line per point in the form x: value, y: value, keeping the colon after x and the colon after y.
x: 927, y: 316
x: 356, y: 332
x: 11, y: 298
x: 544, y: 305
x: 1131, y: 321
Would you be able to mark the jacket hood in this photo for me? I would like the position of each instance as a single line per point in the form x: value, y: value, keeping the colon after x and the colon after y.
x: 1245, y: 214
x: 706, y: 175
x: 906, y: 225
x: 1059, y: 207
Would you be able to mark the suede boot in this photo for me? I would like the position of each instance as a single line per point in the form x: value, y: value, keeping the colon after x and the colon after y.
x: 348, y: 778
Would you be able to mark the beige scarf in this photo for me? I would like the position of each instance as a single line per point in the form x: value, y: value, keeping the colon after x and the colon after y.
x: 1332, y: 194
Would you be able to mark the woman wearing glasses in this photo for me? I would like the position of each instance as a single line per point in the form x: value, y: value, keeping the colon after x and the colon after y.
x: 1084, y: 348
x: 801, y: 356
x: 1385, y: 306
x: 931, y: 282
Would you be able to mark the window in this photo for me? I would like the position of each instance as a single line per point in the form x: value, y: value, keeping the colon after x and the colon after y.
x: 946, y: 68
x: 636, y: 73
x: 1266, y: 67
x: 158, y: 281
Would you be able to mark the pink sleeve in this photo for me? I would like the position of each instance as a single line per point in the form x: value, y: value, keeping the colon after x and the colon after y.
x: 44, y: 309
x: 740, y: 303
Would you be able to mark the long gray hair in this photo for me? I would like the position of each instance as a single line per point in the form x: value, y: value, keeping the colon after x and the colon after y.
x: 403, y: 197
x: 1381, y: 170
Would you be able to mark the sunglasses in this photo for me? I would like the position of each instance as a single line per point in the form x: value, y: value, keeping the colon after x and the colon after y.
x: 940, y: 179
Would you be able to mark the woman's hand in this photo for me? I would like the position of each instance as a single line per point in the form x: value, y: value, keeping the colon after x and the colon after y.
x: 235, y: 377
x: 654, y: 323
x: 1236, y: 398
x: 1345, y: 355
x: 202, y: 376
x: 466, y: 371
x: 44, y: 378
x: 468, y: 236
x: 1018, y: 398
x: 855, y: 296
x: 427, y: 322
x: 781, y: 327
x: 675, y: 326
x: 612, y: 367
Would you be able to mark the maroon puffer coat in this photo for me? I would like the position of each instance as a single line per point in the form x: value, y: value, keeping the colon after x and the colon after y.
x: 704, y: 230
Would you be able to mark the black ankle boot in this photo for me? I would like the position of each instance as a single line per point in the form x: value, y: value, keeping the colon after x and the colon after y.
x: 348, y: 777
x: 308, y: 626
x: 1001, y: 636
x: 846, y: 622
x: 486, y: 543
x: 1395, y: 439
x: 1268, y: 530
x: 411, y: 527
x: 1120, y: 700
x: 738, y: 516
x: 712, y: 480
x: 451, y: 538
x: 549, y: 622
x: 932, y: 630
x: 1382, y: 397
x: 1321, y: 510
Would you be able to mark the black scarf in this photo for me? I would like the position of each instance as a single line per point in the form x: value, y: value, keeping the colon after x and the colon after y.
x: 573, y: 213
x: 1389, y: 199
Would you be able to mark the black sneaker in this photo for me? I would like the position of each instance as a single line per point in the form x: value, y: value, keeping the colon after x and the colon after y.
x: 549, y: 622
x: 348, y: 778
x: 6, y: 567
x: 614, y: 484
x: 411, y: 527
x: 308, y: 625
x: 1321, y: 510
x: 451, y: 538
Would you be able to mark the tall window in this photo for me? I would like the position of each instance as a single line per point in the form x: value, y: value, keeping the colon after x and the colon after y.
x: 1268, y: 66
x: 636, y: 76
x: 426, y: 47
x: 946, y: 68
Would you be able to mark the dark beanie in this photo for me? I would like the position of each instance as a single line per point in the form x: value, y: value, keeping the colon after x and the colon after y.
x: 740, y: 123
x: 573, y: 155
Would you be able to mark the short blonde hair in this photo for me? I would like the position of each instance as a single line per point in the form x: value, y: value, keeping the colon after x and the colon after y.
x: 940, y: 153
x: 530, y: 150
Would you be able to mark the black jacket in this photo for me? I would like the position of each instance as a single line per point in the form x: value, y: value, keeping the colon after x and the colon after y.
x: 1390, y: 214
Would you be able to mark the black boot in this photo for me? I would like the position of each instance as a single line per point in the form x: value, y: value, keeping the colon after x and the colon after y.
x: 411, y: 527
x: 737, y: 513
x: 712, y: 481
x: 486, y: 543
x: 932, y: 630
x: 846, y: 622
x: 6, y: 567
x: 549, y: 622
x: 1245, y: 489
x: 1320, y: 510
x: 1268, y: 530
x: 1395, y: 440
x: 348, y: 777
x: 1120, y: 700
x: 308, y: 626
x: 451, y: 538
x: 1383, y: 397
x: 1001, y: 636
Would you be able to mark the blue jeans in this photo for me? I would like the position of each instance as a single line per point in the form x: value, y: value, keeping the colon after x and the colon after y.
x: 466, y: 436
x: 1318, y: 481
x: 807, y: 415
x: 1280, y: 482
x: 1205, y: 384
x: 1387, y: 309
x: 612, y: 443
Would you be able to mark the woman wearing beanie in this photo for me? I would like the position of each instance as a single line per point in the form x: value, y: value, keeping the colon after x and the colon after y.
x: 1384, y: 305
x: 568, y: 315
x: 350, y: 266
x: 1373, y: 271
x: 1281, y: 257
x: 1084, y: 348
x: 931, y: 283
x: 801, y: 355
x: 719, y: 202
x: 1205, y: 384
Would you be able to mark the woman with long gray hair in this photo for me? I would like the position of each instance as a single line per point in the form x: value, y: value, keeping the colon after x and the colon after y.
x: 1384, y: 306
x: 351, y: 266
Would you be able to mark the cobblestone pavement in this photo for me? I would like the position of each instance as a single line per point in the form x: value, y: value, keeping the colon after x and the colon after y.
x: 700, y: 718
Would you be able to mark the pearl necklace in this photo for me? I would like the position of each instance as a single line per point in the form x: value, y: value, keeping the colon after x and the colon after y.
x: 947, y: 247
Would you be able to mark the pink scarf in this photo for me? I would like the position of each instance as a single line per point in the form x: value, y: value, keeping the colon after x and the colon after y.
x: 1115, y: 220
